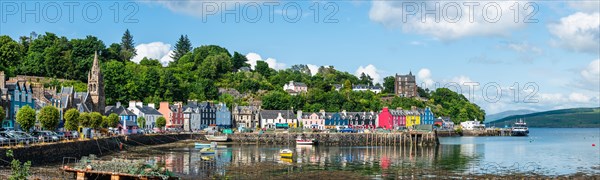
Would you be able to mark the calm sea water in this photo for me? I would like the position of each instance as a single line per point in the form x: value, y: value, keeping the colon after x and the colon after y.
x: 546, y: 151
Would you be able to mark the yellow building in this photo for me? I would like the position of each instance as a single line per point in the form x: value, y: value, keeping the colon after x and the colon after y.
x: 413, y: 117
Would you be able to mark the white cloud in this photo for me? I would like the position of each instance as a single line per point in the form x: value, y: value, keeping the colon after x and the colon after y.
x: 424, y: 75
x: 455, y: 19
x: 579, y: 32
x: 154, y: 50
x: 370, y: 70
x: 585, y: 6
x: 253, y: 57
x: 201, y: 8
x: 578, y: 97
x: 524, y: 47
x: 314, y: 69
x: 592, y: 72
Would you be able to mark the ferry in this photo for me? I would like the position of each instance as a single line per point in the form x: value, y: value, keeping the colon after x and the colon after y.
x: 520, y: 128
x: 302, y: 141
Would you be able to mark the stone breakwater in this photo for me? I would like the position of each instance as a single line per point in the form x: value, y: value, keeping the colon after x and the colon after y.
x: 341, y: 139
x: 41, y: 154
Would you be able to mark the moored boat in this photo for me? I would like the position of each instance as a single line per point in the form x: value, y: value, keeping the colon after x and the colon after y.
x: 520, y: 128
x: 286, y: 153
x: 214, y: 138
x: 201, y: 145
x: 207, y: 151
x: 302, y: 141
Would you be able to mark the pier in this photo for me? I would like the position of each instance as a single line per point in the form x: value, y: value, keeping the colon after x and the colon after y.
x: 341, y: 139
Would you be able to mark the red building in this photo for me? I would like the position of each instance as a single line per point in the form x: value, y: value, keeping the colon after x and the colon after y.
x: 390, y: 119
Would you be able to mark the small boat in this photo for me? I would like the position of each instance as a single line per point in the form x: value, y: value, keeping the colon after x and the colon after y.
x: 207, y: 158
x: 201, y: 145
x: 286, y: 153
x: 520, y: 128
x: 214, y: 138
x: 207, y: 151
x: 302, y: 141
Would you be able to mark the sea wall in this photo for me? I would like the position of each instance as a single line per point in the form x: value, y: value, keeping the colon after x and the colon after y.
x: 487, y: 132
x: 342, y: 139
x: 41, y: 154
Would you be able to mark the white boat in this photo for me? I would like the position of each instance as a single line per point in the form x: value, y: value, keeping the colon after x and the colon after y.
x: 286, y: 153
x: 302, y: 141
x: 201, y: 145
x: 207, y: 151
x: 520, y: 128
x: 214, y: 138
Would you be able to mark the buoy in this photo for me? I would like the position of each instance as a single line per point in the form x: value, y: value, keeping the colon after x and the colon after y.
x: 593, y: 145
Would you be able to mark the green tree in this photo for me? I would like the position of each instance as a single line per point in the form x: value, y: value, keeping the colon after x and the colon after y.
x: 85, y: 120
x: 127, y: 46
x: 96, y: 120
x: 112, y: 120
x: 49, y: 117
x: 389, y: 84
x: 347, y: 85
x: 141, y: 122
x: 71, y: 119
x: 238, y: 60
x: 161, y: 122
x: 18, y: 171
x: 26, y: 118
x: 2, y: 114
x: 263, y: 68
x: 182, y: 47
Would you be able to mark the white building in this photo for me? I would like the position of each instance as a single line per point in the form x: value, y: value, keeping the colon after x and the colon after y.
x: 271, y: 119
x: 295, y: 88
x: 472, y: 125
x: 375, y: 89
x: 149, y: 113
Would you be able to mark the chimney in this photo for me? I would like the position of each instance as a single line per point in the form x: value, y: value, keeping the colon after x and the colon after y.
x: 118, y: 104
x: 151, y: 105
x: 131, y: 104
x: 414, y: 108
x: 2, y: 80
x: 139, y: 103
x: 164, y: 105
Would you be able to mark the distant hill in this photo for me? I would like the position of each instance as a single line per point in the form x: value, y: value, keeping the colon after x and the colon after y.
x: 497, y: 116
x: 576, y: 117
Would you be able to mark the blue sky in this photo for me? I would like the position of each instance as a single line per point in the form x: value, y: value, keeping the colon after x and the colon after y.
x: 558, y: 52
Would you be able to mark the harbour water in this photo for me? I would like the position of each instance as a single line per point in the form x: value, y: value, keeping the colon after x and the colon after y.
x: 546, y: 151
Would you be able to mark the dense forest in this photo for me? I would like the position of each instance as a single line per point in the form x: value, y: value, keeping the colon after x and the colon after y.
x: 197, y: 73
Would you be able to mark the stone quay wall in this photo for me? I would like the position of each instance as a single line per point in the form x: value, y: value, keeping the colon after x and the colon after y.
x: 341, y: 139
x: 40, y: 154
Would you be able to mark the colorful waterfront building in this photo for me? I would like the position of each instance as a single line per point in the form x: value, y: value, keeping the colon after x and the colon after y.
x: 127, y: 119
x: 335, y: 121
x: 312, y: 120
x: 278, y: 119
x: 427, y: 117
x: 385, y: 119
x: 362, y: 120
x: 413, y: 117
x: 223, y: 116
x: 398, y: 118
x: 17, y: 95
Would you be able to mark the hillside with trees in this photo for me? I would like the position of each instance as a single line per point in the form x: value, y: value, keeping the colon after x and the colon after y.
x: 198, y: 72
x: 563, y: 118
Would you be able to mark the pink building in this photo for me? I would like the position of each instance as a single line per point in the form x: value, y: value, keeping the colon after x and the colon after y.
x: 391, y: 119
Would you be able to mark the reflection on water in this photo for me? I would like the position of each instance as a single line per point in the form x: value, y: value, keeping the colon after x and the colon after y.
x: 540, y: 153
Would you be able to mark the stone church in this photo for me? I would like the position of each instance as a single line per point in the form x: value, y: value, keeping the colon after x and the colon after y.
x: 91, y: 101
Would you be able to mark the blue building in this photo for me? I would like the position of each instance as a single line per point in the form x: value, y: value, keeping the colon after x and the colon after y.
x: 335, y: 121
x: 427, y: 116
x: 223, y: 116
x: 127, y: 119
x: 16, y: 95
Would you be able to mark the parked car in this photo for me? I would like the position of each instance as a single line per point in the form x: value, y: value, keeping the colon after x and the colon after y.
x: 26, y: 136
x: 5, y: 140
x: 15, y: 138
x: 45, y: 136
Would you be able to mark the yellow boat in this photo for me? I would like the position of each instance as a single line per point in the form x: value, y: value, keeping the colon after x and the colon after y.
x: 286, y: 153
x: 207, y: 151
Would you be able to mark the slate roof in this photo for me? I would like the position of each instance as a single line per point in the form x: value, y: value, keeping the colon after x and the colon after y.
x: 272, y: 114
x: 120, y: 110
x: 149, y: 110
